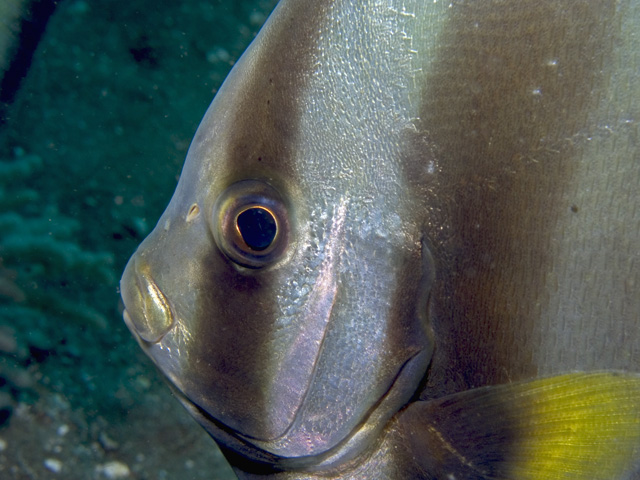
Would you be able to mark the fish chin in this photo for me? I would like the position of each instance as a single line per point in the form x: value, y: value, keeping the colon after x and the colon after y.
x: 270, y: 454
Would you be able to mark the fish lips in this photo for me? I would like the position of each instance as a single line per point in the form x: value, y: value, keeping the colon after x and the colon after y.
x: 151, y: 316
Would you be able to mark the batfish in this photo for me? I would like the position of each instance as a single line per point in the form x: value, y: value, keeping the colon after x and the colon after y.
x: 405, y: 244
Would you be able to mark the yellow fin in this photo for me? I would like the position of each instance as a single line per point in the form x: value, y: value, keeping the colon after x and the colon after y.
x: 580, y: 426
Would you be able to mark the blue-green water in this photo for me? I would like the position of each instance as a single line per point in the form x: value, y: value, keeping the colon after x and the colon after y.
x: 90, y: 151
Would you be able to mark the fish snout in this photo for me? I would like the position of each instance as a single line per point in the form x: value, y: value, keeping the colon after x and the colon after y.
x: 148, y: 312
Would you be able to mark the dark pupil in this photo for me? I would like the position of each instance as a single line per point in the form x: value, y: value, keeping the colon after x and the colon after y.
x: 257, y: 227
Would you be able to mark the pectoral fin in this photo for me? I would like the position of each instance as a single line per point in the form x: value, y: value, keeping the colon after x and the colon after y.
x: 582, y: 426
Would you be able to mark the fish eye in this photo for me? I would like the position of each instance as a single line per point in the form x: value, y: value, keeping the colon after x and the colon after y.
x: 258, y: 227
x: 251, y: 224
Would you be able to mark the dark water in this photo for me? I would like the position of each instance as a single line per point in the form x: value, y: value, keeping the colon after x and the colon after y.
x: 91, y: 145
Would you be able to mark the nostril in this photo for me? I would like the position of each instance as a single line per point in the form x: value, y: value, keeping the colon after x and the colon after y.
x: 148, y: 310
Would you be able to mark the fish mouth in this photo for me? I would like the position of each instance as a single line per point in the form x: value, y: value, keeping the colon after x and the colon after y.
x: 128, y: 321
x: 148, y: 313
x: 354, y: 444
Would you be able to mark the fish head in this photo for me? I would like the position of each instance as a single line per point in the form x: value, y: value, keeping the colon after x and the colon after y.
x: 284, y: 292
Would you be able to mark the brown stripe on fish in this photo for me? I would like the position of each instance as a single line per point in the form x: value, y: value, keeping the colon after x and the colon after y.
x: 219, y: 351
x: 262, y: 114
x: 251, y: 130
x: 503, y: 106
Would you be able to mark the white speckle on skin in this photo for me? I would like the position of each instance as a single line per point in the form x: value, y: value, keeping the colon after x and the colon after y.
x: 63, y: 430
x: 431, y: 167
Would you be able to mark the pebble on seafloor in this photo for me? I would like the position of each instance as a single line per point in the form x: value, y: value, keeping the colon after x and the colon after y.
x: 113, y: 470
x: 53, y: 465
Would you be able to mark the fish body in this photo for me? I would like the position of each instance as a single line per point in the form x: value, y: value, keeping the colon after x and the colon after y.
x: 397, y: 217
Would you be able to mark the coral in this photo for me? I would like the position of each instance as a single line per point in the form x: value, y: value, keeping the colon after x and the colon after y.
x: 48, y: 285
x: 42, y: 265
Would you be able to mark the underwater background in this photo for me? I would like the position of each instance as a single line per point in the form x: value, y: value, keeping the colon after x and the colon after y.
x: 99, y: 101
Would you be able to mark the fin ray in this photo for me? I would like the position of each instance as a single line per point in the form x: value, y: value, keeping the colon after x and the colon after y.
x: 580, y: 426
